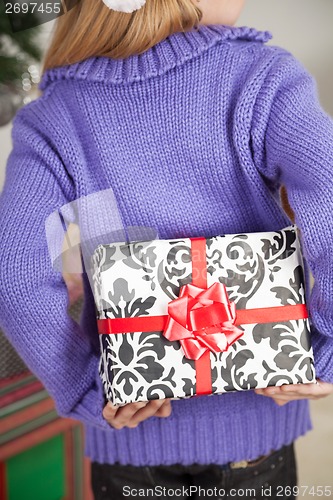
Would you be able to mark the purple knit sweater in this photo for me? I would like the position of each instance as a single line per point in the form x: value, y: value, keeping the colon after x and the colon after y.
x: 194, y: 136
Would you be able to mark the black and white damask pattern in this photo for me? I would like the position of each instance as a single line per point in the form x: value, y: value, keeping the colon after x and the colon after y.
x: 139, y: 279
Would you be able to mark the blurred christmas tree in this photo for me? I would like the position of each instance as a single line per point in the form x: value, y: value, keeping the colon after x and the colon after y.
x: 19, y: 53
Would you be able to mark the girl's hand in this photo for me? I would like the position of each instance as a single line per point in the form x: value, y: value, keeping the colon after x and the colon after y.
x: 285, y: 393
x: 132, y: 414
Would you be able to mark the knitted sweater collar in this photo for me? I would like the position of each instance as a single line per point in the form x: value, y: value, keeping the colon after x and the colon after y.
x: 173, y: 51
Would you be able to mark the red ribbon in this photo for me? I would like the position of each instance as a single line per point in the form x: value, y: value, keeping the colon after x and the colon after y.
x: 202, y: 319
x: 220, y: 319
x: 276, y: 314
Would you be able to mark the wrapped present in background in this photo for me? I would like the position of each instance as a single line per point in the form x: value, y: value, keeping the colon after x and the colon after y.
x: 190, y: 316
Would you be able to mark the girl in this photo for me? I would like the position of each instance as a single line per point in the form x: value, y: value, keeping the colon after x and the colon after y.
x: 194, y: 124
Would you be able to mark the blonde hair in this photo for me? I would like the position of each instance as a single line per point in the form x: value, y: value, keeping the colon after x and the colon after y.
x: 91, y: 29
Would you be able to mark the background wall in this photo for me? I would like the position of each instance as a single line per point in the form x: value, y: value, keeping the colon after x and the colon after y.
x: 305, y: 28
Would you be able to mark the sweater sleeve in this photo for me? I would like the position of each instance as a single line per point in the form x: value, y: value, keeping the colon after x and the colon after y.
x: 298, y: 153
x: 34, y: 298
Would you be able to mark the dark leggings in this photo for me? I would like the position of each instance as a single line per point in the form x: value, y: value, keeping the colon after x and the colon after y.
x: 273, y: 476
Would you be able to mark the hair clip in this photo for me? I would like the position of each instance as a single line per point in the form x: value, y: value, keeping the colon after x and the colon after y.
x: 127, y: 6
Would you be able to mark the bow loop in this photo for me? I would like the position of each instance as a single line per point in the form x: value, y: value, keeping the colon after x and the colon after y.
x: 202, y: 319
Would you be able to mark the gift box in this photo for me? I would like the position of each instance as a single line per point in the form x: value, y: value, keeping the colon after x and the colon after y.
x: 191, y: 316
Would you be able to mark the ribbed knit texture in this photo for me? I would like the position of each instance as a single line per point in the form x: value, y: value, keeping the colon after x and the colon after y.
x: 195, y: 137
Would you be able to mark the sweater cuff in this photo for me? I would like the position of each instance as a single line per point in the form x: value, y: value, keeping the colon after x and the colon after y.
x: 322, y: 346
x: 89, y: 408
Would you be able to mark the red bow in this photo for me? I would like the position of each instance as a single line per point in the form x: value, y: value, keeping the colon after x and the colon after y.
x: 202, y: 319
